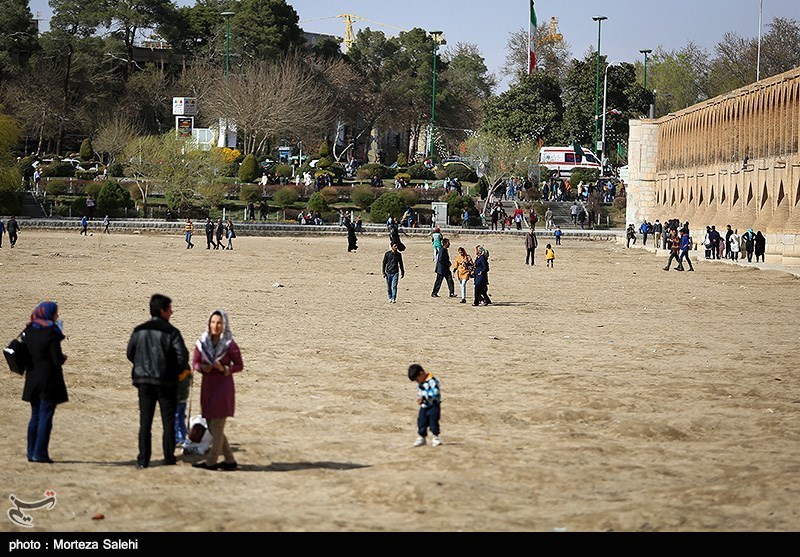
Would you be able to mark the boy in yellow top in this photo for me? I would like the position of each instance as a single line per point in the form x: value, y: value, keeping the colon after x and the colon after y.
x: 188, y: 228
x: 549, y: 255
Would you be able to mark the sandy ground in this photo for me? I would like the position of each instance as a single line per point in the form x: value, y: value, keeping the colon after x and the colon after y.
x: 602, y: 395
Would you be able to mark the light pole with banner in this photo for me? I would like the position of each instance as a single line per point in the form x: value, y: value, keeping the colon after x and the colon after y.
x: 599, y: 19
x: 438, y: 39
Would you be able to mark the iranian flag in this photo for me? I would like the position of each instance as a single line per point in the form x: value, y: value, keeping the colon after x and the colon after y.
x: 531, y: 41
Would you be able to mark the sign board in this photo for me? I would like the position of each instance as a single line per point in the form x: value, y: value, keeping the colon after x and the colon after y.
x: 439, y: 214
x: 284, y: 153
x: 184, y: 126
x: 184, y: 106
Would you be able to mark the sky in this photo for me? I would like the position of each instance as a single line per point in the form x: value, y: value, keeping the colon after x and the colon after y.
x: 632, y: 25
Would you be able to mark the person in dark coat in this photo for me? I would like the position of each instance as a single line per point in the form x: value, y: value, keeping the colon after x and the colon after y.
x: 443, y: 271
x: 12, y: 227
x: 394, y: 235
x: 352, y: 241
x: 159, y: 355
x: 749, y: 243
x: 760, y: 246
x: 210, y: 234
x: 481, y: 276
x: 44, y: 380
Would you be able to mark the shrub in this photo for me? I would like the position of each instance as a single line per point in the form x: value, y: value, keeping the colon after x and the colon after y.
x: 403, y: 176
x: 113, y: 199
x: 93, y: 189
x: 116, y: 169
x: 363, y: 197
x: 373, y: 170
x: 456, y: 205
x: 585, y: 175
x: 620, y: 202
x: 420, y: 172
x: 213, y: 195
x: 390, y: 203
x: 323, y: 163
x: 78, y: 206
x: 85, y: 174
x: 317, y: 203
x: 86, y: 152
x: 324, y: 150
x: 248, y: 171
x: 56, y: 187
x: 249, y: 193
x: 330, y: 194
x: 460, y: 171
x: 58, y: 169
x: 410, y: 196
x: 402, y: 159
x: 25, y: 166
x: 285, y: 197
x: 283, y: 171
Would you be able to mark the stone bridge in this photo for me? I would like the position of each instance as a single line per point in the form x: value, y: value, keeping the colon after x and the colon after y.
x: 733, y: 159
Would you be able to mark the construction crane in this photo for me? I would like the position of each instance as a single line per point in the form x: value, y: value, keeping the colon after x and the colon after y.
x: 349, y: 36
x: 553, y: 36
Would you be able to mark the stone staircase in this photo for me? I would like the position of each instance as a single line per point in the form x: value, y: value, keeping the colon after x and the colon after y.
x: 31, y: 207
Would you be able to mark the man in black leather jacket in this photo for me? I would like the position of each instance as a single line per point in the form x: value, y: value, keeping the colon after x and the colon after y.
x: 159, y: 355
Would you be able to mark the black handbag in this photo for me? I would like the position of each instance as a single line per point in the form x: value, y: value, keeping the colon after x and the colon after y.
x: 17, y: 355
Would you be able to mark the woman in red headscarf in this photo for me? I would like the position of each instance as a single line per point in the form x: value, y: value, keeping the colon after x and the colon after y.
x: 44, y: 379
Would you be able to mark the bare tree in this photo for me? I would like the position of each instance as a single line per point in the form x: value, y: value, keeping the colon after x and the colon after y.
x: 114, y: 133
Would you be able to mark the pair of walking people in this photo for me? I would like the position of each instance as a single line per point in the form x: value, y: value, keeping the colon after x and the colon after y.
x: 679, y: 247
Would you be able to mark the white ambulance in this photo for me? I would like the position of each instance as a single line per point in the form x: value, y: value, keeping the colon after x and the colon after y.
x: 564, y: 159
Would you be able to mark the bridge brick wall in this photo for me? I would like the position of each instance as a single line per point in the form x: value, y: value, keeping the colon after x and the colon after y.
x: 733, y: 159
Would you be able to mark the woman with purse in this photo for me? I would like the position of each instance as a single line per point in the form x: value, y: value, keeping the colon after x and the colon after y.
x: 44, y: 380
x: 231, y: 234
x: 217, y: 358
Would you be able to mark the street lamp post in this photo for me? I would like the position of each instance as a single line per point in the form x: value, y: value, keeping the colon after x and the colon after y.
x: 599, y: 19
x: 645, y: 51
x: 227, y: 16
x: 605, y: 110
x: 437, y: 40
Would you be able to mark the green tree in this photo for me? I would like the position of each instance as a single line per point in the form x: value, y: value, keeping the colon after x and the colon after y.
x: 248, y: 171
x: 18, y: 38
x: 250, y: 193
x: 552, y: 54
x: 678, y: 78
x: 363, y: 197
x: 113, y: 199
x: 285, y: 198
x: 264, y: 29
x: 86, y: 152
x: 317, y: 203
x: 456, y: 205
x: 530, y: 109
x: 212, y: 194
x: 389, y: 203
x: 10, y: 178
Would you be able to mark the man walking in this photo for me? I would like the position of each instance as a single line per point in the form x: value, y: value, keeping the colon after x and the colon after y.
x: 210, y: 234
x: 13, y: 228
x: 573, y: 212
x: 686, y: 245
x: 188, y: 228
x: 392, y: 269
x: 674, y: 248
x: 443, y: 271
x: 158, y: 354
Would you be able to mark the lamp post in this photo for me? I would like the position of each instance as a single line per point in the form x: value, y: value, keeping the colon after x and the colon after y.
x: 599, y: 19
x: 605, y: 98
x: 227, y: 16
x: 758, y: 56
x: 437, y: 40
x: 645, y: 51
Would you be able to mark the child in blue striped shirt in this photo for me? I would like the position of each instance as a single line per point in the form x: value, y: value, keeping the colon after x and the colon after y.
x: 429, y: 400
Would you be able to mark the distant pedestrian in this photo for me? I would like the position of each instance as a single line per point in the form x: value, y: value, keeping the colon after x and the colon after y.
x: 352, y: 240
x: 558, y: 234
x: 209, y: 229
x: 481, y: 272
x: 463, y: 268
x: 219, y: 232
x: 531, y: 243
x: 443, y: 271
x: 429, y: 400
x: 734, y: 241
x: 674, y: 250
x: 13, y: 229
x: 630, y: 236
x: 392, y: 270
x: 436, y: 240
x: 686, y: 245
x: 230, y: 233
x: 84, y: 225
x: 106, y: 223
x: 760, y: 246
x: 2, y: 231
x: 188, y: 229
x: 749, y: 243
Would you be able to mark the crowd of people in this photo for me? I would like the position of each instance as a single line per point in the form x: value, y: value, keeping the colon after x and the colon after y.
x: 732, y: 246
